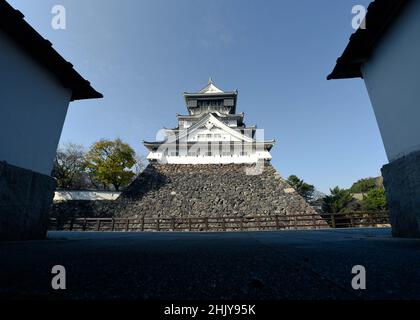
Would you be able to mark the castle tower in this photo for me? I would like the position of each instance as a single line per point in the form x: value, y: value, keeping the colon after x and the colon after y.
x: 211, y: 133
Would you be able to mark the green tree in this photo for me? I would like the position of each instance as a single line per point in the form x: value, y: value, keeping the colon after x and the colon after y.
x: 338, y: 201
x: 364, y: 185
x: 374, y: 200
x: 69, y: 166
x: 110, y: 163
x: 304, y: 189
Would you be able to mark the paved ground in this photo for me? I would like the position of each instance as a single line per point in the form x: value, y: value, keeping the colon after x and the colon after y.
x: 277, y: 265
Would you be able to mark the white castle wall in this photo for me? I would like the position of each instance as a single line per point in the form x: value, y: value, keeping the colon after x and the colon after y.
x: 33, y: 106
x: 69, y: 195
x: 392, y: 77
x: 199, y: 154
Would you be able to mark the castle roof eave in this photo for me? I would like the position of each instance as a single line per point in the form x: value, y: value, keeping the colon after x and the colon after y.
x: 153, y: 146
x: 198, y: 94
x: 212, y: 90
x: 232, y: 94
x: 236, y: 115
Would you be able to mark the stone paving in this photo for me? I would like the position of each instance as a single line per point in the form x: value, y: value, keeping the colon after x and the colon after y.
x: 262, y: 265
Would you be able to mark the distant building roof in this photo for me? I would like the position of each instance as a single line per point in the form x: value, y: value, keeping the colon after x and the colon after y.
x: 380, y: 16
x: 28, y: 39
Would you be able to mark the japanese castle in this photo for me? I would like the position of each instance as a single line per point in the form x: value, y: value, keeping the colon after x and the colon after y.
x: 211, y: 133
x: 211, y: 165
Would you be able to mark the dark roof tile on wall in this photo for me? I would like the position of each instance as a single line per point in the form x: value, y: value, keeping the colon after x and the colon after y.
x: 380, y: 16
x: 28, y: 39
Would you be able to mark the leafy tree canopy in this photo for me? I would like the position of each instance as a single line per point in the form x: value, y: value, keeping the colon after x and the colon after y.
x: 110, y: 162
x: 69, y: 166
x: 375, y: 200
x: 338, y: 201
x: 364, y: 185
x: 304, y: 189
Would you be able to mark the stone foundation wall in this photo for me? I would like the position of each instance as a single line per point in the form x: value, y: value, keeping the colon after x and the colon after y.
x: 25, y: 198
x: 212, y: 191
x: 206, y: 190
x: 402, y: 184
x: 166, y: 191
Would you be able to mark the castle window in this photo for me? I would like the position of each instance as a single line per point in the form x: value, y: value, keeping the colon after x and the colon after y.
x: 210, y: 103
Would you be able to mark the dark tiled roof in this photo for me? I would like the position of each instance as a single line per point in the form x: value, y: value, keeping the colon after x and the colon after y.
x: 381, y: 15
x: 28, y: 39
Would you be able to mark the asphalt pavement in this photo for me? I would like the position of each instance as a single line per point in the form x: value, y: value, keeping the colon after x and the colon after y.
x: 292, y: 265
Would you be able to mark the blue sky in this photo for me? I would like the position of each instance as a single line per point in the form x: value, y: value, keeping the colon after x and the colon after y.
x: 143, y: 54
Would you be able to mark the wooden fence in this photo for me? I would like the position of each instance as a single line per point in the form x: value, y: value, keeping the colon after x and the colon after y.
x: 208, y: 224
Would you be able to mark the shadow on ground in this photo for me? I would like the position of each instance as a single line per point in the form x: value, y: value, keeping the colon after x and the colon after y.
x: 265, y: 265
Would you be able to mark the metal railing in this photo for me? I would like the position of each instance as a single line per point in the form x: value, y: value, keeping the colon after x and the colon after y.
x: 209, y: 224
